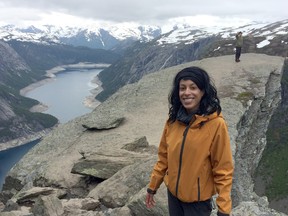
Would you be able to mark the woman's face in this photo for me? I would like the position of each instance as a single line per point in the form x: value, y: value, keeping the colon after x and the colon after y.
x: 190, y: 95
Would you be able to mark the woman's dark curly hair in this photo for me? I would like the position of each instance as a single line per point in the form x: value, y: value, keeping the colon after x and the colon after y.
x: 209, y: 102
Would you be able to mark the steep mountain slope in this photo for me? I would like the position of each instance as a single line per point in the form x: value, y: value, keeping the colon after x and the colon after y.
x: 271, y: 174
x: 15, y: 119
x: 144, y: 58
x: 23, y: 63
x: 186, y: 44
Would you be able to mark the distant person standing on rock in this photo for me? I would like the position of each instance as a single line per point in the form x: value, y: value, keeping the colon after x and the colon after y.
x: 194, y: 155
x: 239, y: 43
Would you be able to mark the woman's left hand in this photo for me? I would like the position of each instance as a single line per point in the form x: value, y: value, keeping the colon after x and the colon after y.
x: 150, y: 202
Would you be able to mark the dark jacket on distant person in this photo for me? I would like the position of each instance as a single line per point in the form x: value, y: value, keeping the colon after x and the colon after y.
x: 239, y: 40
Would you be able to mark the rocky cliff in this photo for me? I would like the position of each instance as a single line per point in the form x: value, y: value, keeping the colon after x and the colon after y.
x: 184, y: 45
x: 99, y: 164
x: 144, y: 58
x: 24, y: 63
x: 15, y: 119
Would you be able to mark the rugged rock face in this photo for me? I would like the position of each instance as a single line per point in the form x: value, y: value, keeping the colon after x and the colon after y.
x: 15, y: 120
x: 144, y: 58
x: 141, y: 59
x: 11, y: 60
x: 249, y: 91
x: 271, y: 173
x: 24, y: 63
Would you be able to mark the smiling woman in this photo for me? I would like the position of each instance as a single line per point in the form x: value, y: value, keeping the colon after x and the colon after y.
x: 194, y: 156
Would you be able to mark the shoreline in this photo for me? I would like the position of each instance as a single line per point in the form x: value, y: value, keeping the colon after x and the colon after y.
x: 89, y: 102
x: 25, y: 139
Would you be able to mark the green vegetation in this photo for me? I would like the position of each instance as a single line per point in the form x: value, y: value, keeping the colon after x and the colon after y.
x: 254, y: 81
x: 37, y: 58
x: 244, y: 97
x: 41, y: 57
x: 44, y: 120
x: 273, y: 166
x: 23, y: 117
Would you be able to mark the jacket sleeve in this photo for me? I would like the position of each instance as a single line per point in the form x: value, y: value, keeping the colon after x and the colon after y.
x: 160, y: 167
x: 222, y: 166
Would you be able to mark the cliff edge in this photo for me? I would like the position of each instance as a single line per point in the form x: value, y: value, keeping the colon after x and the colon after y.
x: 100, y: 163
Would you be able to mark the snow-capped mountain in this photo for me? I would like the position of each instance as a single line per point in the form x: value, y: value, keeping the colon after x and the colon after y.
x: 190, y: 34
x: 95, y: 37
x: 187, y: 43
x: 109, y: 37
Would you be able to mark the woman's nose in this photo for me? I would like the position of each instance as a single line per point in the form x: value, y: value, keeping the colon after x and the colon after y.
x: 187, y: 91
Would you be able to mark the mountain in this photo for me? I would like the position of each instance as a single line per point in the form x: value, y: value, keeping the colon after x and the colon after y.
x: 23, y: 63
x: 16, y: 120
x: 107, y: 38
x: 186, y: 43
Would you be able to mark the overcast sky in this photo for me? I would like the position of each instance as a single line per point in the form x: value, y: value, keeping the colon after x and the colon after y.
x: 152, y: 12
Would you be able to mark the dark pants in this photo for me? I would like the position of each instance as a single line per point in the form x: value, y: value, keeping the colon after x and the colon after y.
x: 238, y: 53
x: 178, y: 208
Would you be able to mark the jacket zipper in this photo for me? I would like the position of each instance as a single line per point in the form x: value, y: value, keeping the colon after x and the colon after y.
x: 180, y: 160
x: 198, y: 181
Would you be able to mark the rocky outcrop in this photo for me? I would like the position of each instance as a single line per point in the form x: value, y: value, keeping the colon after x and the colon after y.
x: 184, y: 45
x: 17, y: 124
x: 121, y: 158
x: 23, y: 63
x: 11, y: 61
x: 145, y: 58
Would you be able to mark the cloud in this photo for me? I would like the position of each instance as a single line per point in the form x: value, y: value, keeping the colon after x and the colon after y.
x: 144, y: 12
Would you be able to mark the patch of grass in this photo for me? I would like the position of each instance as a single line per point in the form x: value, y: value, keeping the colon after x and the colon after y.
x: 274, y: 166
x: 254, y: 81
x: 244, y: 97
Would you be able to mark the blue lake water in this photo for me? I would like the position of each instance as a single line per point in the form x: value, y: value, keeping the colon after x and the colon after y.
x: 64, y: 96
x: 9, y: 157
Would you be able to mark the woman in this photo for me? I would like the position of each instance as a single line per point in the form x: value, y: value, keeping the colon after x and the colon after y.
x: 194, y: 155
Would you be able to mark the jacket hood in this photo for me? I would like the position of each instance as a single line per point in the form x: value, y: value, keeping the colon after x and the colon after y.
x: 202, y: 119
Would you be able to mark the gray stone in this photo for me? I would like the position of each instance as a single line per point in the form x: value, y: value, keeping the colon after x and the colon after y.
x: 32, y: 194
x: 100, y: 124
x: 11, y: 205
x: 138, y: 145
x: 48, y: 206
x: 128, y: 182
x: 87, y: 204
x: 102, y: 169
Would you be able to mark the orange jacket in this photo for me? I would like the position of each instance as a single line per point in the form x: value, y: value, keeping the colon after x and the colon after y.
x: 199, y: 166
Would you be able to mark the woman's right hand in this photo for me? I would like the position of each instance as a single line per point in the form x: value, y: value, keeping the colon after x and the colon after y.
x: 150, y: 202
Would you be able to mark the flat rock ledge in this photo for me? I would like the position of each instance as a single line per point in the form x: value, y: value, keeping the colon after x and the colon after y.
x: 99, y: 164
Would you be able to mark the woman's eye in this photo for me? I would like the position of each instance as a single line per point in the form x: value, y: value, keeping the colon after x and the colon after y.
x: 193, y: 87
